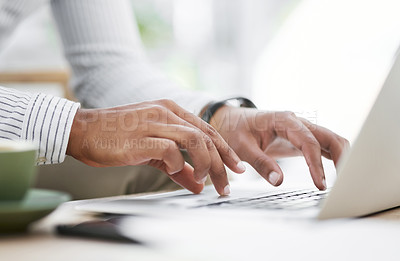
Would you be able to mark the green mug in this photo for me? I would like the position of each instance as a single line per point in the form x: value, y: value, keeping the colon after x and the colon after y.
x: 17, y: 168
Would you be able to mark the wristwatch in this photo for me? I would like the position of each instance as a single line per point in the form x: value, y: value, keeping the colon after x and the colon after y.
x: 235, y: 101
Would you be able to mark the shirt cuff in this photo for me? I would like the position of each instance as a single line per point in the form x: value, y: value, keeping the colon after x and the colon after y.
x: 47, y: 122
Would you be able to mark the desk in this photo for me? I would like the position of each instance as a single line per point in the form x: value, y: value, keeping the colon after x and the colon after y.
x: 369, y: 238
x: 42, y: 244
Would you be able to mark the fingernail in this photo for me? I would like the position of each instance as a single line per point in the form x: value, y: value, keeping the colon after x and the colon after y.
x: 227, y: 190
x: 173, y: 172
x: 241, y: 166
x: 204, y: 180
x: 273, y: 177
x: 324, y: 183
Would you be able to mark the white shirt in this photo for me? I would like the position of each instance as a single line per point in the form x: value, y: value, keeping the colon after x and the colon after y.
x: 109, y: 68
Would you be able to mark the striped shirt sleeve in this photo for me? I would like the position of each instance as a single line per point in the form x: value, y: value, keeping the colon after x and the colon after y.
x: 43, y: 119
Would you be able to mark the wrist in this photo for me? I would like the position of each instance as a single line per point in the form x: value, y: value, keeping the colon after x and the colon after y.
x: 213, y: 107
x: 76, y: 134
x: 204, y: 109
x: 220, y: 116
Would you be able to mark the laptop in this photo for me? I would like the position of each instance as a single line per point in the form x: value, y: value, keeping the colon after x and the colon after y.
x: 368, y: 178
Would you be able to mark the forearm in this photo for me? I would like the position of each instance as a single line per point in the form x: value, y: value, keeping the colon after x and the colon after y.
x: 109, y: 66
x: 43, y: 119
x: 12, y: 12
x: 108, y: 85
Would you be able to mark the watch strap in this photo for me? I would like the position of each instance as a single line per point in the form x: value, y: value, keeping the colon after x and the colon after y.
x: 214, y: 106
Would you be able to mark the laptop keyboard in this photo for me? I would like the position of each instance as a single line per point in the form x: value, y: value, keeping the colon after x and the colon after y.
x: 291, y: 200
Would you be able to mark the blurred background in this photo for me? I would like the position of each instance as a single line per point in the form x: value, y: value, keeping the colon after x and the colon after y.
x: 324, y: 60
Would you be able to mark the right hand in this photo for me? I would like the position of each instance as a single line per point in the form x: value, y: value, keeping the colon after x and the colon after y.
x: 152, y: 133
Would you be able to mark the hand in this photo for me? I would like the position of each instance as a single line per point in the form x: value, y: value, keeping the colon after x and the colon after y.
x: 153, y: 133
x: 261, y: 137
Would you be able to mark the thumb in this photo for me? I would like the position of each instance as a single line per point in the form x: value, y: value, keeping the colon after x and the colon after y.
x: 263, y: 164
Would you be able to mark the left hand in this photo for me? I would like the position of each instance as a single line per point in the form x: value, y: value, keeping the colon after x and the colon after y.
x: 260, y: 137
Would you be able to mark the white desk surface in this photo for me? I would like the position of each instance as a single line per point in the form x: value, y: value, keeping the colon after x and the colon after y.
x: 217, y: 238
x: 214, y: 238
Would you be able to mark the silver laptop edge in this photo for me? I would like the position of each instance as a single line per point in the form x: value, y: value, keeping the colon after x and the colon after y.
x: 369, y: 175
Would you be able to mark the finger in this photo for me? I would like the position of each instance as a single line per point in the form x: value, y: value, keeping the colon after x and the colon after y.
x: 189, y: 139
x: 312, y: 154
x: 165, y: 158
x: 326, y: 154
x: 330, y: 142
x: 218, y: 173
x: 281, y: 148
x: 263, y: 164
x: 186, y: 179
x: 228, y: 155
x: 301, y: 137
x: 162, y: 150
x: 205, y: 159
